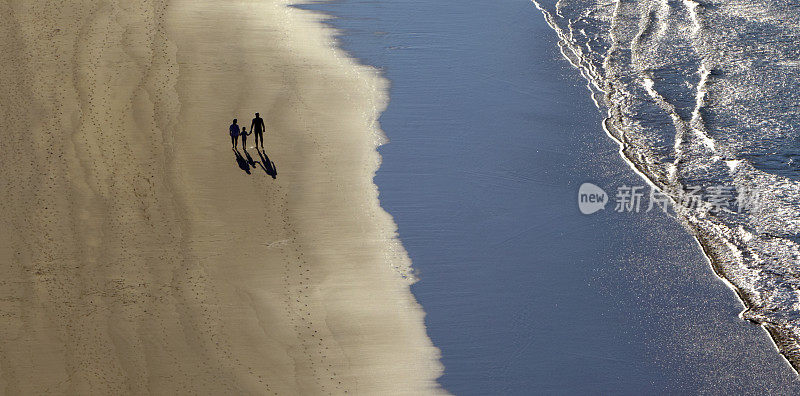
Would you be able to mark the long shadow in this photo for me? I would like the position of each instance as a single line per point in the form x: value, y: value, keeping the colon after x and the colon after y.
x: 267, y: 165
x: 241, y: 161
x: 249, y: 158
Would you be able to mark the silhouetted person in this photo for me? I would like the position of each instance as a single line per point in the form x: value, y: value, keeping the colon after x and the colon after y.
x: 234, y: 128
x: 257, y: 127
x: 244, y: 134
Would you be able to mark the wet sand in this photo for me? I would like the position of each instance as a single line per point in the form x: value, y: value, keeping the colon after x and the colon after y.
x: 521, y: 290
x: 141, y: 255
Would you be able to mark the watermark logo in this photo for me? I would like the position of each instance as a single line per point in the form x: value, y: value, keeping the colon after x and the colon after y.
x: 591, y: 198
x: 711, y: 199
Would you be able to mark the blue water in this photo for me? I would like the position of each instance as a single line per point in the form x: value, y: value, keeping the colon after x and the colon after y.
x: 492, y: 133
x: 703, y: 94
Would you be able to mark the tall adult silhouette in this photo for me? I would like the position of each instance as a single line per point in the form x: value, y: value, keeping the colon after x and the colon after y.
x: 234, y: 129
x: 257, y: 127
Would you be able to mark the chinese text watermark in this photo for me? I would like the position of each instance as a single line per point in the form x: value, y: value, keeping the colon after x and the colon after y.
x: 635, y: 199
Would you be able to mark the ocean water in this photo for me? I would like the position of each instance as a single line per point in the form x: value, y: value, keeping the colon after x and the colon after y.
x: 492, y: 132
x: 703, y: 98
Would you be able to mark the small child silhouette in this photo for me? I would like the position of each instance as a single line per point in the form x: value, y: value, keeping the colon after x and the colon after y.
x: 244, y: 134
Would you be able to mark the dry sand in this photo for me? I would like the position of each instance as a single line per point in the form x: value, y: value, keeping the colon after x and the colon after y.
x: 136, y: 255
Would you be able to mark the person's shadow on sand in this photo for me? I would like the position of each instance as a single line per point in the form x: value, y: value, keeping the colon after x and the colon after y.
x: 249, y: 158
x: 241, y: 161
x: 267, y: 165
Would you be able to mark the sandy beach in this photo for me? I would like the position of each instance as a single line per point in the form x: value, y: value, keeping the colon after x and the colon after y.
x: 140, y: 255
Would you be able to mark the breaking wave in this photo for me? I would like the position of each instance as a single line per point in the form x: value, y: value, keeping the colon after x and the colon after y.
x: 704, y: 95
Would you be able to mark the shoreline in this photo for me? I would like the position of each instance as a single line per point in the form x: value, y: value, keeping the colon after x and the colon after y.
x: 699, y: 235
x: 653, y: 312
x: 708, y: 251
x: 164, y: 266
